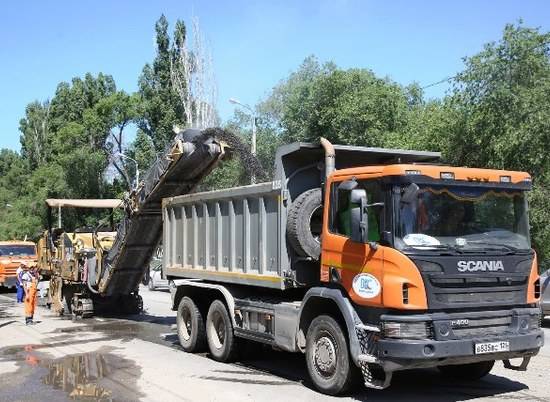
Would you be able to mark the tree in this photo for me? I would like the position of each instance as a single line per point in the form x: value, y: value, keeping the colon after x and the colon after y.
x: 161, y: 108
x: 66, y: 145
x: 143, y: 151
x: 34, y: 133
x: 346, y: 106
x: 501, y: 107
x: 502, y: 104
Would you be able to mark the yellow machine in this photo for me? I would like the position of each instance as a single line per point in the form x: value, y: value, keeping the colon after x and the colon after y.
x: 73, y: 260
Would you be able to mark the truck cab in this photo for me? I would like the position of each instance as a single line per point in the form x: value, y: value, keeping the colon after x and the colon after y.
x: 12, y: 254
x: 438, y: 258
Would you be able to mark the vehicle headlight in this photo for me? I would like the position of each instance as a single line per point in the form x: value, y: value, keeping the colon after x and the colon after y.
x: 407, y: 330
x: 533, y: 322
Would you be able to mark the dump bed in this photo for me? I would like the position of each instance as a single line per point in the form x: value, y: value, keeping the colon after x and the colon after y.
x: 232, y: 236
x: 238, y: 235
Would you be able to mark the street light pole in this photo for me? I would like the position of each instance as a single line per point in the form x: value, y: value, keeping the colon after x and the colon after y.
x: 253, y: 145
x: 133, y: 160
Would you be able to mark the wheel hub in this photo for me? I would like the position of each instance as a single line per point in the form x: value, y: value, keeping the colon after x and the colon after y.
x: 325, y: 356
x: 186, y: 321
x: 218, y: 331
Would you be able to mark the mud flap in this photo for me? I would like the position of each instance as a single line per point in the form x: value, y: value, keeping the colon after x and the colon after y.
x: 373, y: 373
x: 522, y: 367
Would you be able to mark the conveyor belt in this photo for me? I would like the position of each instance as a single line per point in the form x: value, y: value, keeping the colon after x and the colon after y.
x: 180, y: 169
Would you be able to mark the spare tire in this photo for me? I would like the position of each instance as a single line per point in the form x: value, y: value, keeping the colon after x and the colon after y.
x: 305, y: 224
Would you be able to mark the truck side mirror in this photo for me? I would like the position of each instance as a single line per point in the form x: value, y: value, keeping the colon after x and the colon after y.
x: 410, y: 193
x: 348, y: 185
x: 359, y: 218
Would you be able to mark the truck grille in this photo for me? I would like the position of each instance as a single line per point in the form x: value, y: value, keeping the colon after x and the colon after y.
x: 449, y: 286
x: 481, y: 297
x: 484, y: 326
x: 474, y: 290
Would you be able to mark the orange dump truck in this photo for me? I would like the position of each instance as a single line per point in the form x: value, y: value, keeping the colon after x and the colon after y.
x: 367, y: 260
x: 12, y: 254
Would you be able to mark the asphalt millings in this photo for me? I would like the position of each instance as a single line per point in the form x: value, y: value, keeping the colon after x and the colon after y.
x: 250, y: 163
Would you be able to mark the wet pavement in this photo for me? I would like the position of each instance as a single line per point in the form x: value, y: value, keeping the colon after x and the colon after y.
x: 139, y: 358
x: 97, y: 376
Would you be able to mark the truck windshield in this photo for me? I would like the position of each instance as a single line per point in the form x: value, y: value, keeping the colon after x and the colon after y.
x: 464, y: 218
x: 18, y: 250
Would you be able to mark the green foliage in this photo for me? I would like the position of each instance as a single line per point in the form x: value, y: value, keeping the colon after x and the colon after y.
x: 35, y: 137
x: 345, y: 106
x: 501, y: 116
x: 540, y: 219
x: 143, y: 151
x: 160, y: 107
x: 501, y: 104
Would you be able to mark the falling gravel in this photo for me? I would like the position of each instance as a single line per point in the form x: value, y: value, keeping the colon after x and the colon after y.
x: 251, y: 164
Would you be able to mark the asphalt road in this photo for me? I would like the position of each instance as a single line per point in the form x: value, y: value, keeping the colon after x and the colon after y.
x: 138, y: 358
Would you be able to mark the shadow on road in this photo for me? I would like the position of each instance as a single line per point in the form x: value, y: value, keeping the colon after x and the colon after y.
x: 153, y: 319
x: 419, y: 385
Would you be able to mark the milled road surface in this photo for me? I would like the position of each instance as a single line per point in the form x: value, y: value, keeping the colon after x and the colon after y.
x: 138, y: 358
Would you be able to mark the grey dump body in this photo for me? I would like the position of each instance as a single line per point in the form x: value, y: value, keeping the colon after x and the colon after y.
x: 238, y: 235
x: 177, y: 171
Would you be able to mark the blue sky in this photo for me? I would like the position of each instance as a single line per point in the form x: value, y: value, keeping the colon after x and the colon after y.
x: 254, y: 43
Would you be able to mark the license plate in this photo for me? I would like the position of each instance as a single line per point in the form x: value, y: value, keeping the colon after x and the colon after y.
x: 492, y: 347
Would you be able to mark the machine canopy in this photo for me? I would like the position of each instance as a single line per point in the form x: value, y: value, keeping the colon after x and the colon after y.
x: 86, y: 203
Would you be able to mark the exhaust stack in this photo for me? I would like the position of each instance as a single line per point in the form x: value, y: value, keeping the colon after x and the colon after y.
x: 330, y: 156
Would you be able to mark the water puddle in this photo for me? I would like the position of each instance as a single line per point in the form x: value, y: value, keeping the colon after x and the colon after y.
x: 95, y: 376
x: 78, y: 376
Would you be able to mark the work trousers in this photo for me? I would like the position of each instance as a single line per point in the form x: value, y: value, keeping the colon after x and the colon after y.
x: 30, y: 299
x: 20, y: 292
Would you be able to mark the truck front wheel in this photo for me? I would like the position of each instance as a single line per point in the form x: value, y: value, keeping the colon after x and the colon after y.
x: 328, y: 360
x: 467, y: 372
x: 219, y: 333
x: 191, y: 328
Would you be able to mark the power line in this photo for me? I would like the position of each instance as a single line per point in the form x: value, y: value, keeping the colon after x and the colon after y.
x: 439, y: 82
x: 545, y: 43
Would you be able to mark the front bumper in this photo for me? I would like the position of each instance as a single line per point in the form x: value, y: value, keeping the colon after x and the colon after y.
x: 399, y: 354
x: 435, y: 350
x: 8, y: 281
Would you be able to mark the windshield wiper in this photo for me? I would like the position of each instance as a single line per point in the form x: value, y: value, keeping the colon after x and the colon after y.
x: 426, y: 247
x: 500, y: 246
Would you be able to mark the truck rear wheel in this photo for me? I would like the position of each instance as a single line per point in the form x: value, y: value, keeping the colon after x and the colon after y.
x: 219, y: 333
x: 304, y: 224
x: 191, y: 328
x: 327, y: 355
x: 467, y: 372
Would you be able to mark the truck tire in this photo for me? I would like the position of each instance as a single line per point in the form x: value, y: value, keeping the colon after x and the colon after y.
x: 219, y: 333
x: 304, y: 223
x: 191, y: 328
x: 467, y: 372
x: 327, y: 355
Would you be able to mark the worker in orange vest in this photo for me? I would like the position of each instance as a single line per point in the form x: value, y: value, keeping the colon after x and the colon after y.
x: 29, y: 279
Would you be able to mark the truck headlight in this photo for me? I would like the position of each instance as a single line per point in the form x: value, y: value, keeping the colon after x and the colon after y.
x: 407, y: 330
x: 534, y: 321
